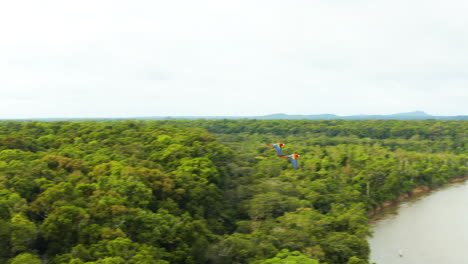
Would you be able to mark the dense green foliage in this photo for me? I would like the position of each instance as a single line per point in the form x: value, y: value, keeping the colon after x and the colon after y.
x: 206, y: 191
x: 421, y: 136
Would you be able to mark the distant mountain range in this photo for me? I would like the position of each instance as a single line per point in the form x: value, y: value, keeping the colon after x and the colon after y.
x: 416, y: 115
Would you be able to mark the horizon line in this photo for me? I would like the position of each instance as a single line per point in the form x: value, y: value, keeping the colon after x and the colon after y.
x: 414, y: 114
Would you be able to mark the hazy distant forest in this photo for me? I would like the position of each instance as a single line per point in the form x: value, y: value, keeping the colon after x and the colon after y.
x: 210, y: 191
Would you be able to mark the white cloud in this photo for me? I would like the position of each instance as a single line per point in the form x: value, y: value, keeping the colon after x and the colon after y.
x: 129, y: 58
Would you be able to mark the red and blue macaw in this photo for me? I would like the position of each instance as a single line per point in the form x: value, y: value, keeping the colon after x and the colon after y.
x: 278, y: 147
x: 293, y: 158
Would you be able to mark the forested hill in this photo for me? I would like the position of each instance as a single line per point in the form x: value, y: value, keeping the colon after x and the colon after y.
x: 210, y: 191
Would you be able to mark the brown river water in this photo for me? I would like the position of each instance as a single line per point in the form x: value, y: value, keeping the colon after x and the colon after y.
x: 429, y: 229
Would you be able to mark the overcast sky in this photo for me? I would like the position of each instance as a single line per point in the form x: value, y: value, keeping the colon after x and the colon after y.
x: 111, y: 58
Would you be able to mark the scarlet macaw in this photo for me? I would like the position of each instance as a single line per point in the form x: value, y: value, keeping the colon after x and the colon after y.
x: 278, y: 147
x: 293, y: 158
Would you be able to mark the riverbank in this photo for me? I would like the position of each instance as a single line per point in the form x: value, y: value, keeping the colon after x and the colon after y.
x: 418, y: 191
x: 428, y: 229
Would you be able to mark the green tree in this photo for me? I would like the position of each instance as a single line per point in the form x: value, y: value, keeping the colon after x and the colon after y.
x: 61, y: 228
x: 26, y: 258
x: 23, y: 233
x: 286, y: 257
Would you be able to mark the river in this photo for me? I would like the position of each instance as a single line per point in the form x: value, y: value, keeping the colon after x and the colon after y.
x: 429, y: 229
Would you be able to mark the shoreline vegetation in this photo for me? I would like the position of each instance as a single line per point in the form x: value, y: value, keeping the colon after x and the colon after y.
x: 212, y: 191
x: 418, y: 191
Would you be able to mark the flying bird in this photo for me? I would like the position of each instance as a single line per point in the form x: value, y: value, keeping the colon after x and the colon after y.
x: 293, y: 158
x: 278, y: 147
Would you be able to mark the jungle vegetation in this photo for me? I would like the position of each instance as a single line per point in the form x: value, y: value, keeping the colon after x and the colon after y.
x: 210, y: 191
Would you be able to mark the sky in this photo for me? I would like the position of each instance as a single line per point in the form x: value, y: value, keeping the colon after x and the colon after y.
x: 114, y: 58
